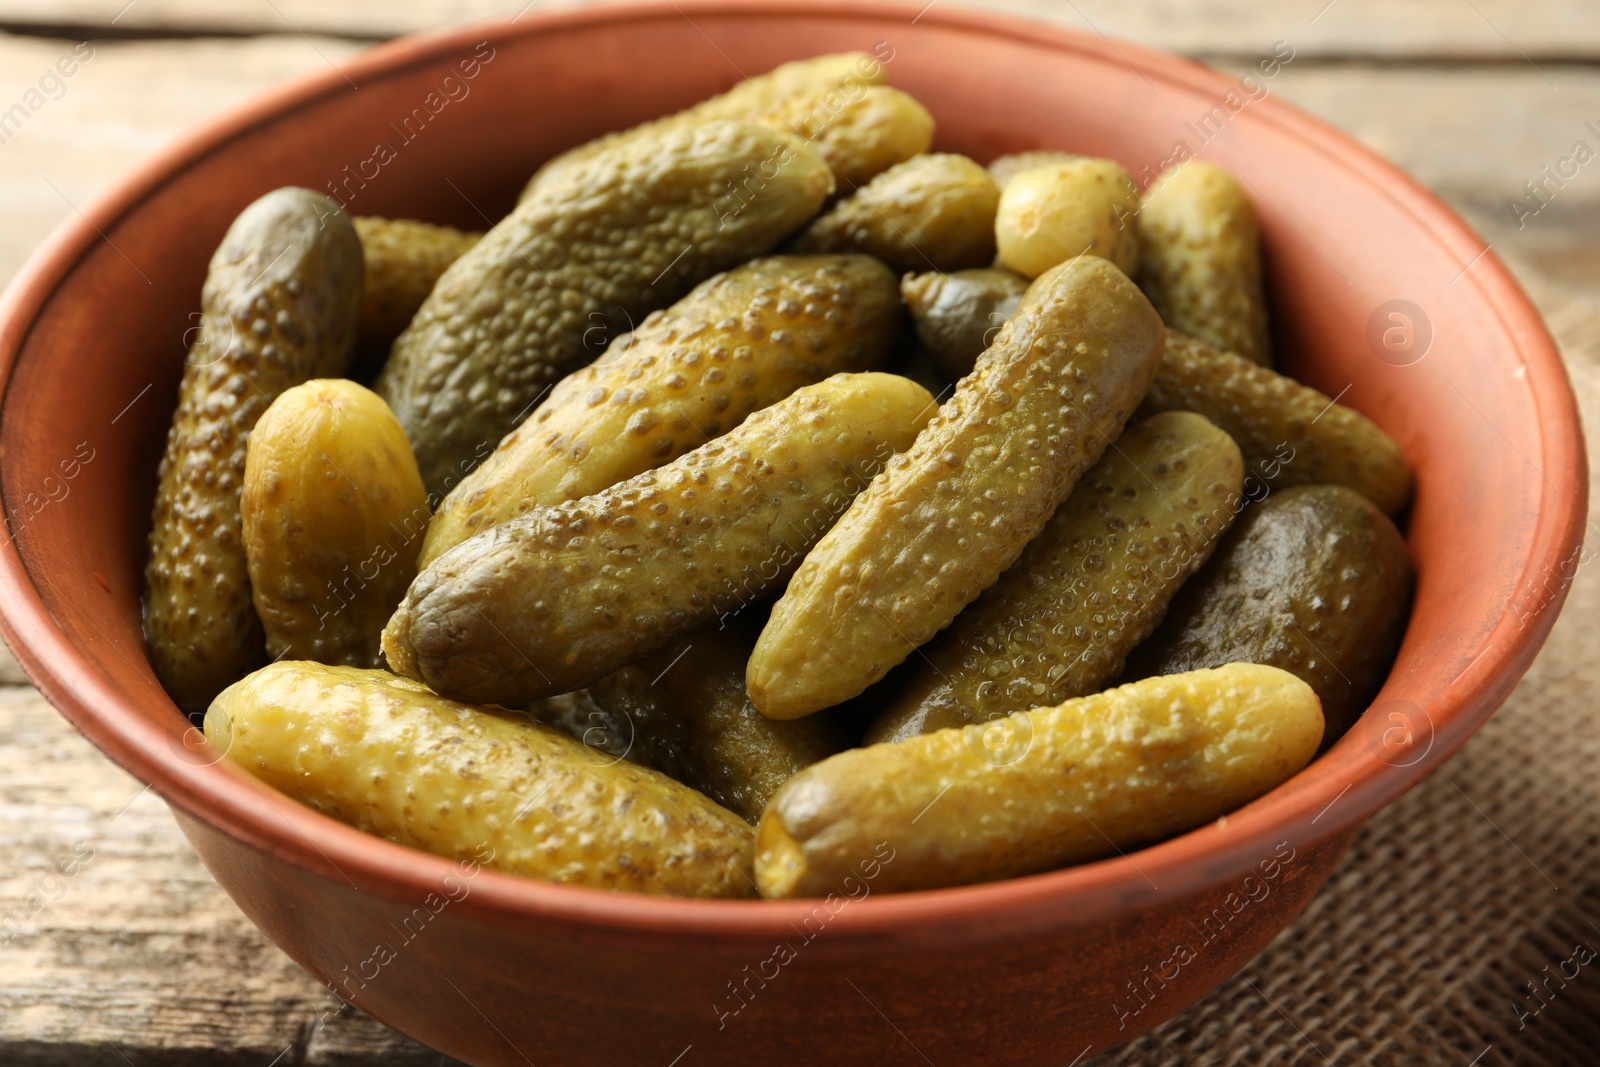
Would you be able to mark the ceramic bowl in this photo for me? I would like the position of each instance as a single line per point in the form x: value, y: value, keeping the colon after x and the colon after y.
x: 499, y: 970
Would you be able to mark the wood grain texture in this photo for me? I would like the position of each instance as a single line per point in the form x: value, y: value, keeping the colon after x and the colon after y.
x: 1438, y: 29
x: 137, y: 957
x: 118, y: 108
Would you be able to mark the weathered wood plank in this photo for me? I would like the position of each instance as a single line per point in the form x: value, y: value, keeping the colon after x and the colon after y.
x: 138, y: 949
x: 1486, y: 29
x: 1475, y: 133
x: 119, y: 106
x: 113, y: 934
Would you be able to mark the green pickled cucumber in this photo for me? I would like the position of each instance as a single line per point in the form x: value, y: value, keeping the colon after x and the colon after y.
x: 484, y: 785
x: 566, y: 594
x: 739, y: 342
x: 1095, y: 582
x: 945, y: 519
x: 934, y: 212
x: 959, y: 315
x: 1200, y: 259
x: 849, y: 73
x: 1315, y: 580
x: 1005, y: 168
x: 404, y: 259
x: 585, y: 259
x: 1290, y: 433
x: 1042, y: 789
x: 685, y: 710
x: 280, y: 305
x: 579, y: 717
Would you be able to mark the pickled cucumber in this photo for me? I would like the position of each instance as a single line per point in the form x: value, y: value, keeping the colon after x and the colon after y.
x: 1040, y: 789
x: 1290, y: 433
x: 860, y: 136
x: 739, y: 342
x: 849, y: 73
x: 959, y: 315
x: 945, y: 519
x: 686, y: 712
x: 1052, y: 214
x: 1315, y: 580
x: 386, y: 756
x: 1005, y: 168
x: 334, y: 512
x: 629, y: 231
x: 404, y: 259
x: 280, y: 305
x: 564, y: 595
x: 1090, y: 587
x: 934, y: 212
x: 1200, y: 259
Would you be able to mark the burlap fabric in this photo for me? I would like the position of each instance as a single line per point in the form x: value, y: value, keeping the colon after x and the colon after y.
x: 1463, y: 927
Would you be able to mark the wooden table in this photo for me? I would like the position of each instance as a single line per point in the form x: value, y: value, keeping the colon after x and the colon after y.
x: 137, y: 957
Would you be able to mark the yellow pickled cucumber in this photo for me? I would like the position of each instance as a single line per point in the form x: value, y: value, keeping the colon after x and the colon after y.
x: 1290, y: 433
x: 585, y: 259
x: 1095, y: 582
x: 944, y: 520
x: 386, y: 756
x: 849, y: 73
x: 1040, y: 789
x: 566, y: 594
x: 860, y: 136
x: 280, y: 305
x: 404, y: 259
x: 1052, y: 214
x: 933, y: 212
x: 685, y: 711
x: 739, y: 342
x: 1005, y: 168
x: 1200, y: 259
x: 334, y: 512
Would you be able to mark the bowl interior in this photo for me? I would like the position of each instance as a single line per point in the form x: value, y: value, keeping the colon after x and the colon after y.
x: 447, y: 128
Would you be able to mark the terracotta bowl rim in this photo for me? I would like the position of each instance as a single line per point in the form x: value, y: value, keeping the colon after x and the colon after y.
x: 1346, y: 785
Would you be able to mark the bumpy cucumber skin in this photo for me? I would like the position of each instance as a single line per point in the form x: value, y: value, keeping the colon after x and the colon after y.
x: 959, y: 315
x: 947, y: 517
x: 1049, y: 215
x: 580, y: 262
x: 1095, y: 582
x: 850, y: 73
x: 334, y: 512
x: 280, y: 305
x: 933, y: 212
x: 559, y: 598
x: 1200, y: 259
x: 1290, y: 433
x: 1315, y: 580
x: 404, y: 259
x: 1040, y: 789
x: 481, y: 785
x: 860, y: 136
x: 1003, y: 169
x: 740, y: 342
x: 685, y: 710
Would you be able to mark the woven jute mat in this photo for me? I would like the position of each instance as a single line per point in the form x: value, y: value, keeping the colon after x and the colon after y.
x: 1463, y: 927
